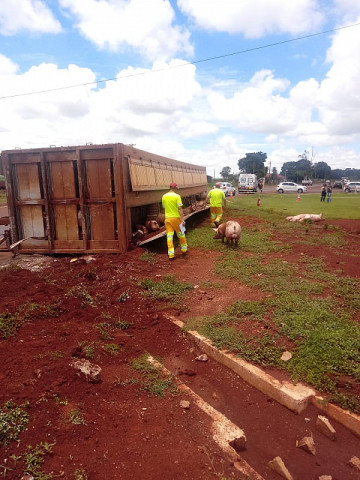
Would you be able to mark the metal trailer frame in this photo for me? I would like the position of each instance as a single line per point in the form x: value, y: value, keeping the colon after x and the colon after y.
x: 85, y: 199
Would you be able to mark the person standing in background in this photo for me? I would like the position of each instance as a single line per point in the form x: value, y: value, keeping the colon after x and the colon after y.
x: 174, y: 220
x: 217, y: 199
x: 323, y: 194
x: 329, y: 192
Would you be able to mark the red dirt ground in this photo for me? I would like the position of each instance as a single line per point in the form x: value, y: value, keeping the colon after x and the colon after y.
x: 127, y: 433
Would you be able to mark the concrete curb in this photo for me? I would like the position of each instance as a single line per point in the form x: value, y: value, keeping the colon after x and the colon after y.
x: 224, y: 431
x: 348, y: 419
x: 295, y: 397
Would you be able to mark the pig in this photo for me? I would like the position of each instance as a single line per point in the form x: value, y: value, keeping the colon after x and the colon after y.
x: 152, y: 225
x: 230, y: 230
x: 296, y: 218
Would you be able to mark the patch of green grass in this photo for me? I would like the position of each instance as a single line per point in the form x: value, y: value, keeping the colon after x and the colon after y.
x: 122, y: 325
x: 112, y: 348
x: 76, y: 417
x: 148, y: 257
x: 104, y: 328
x: 80, y: 291
x: 34, y: 459
x: 11, y: 322
x: 166, y: 289
x: 13, y: 420
x: 88, y: 349
x: 124, y: 296
x: 153, y: 381
x: 80, y: 474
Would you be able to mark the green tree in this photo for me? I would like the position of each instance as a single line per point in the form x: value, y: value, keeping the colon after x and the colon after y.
x: 322, y: 170
x: 225, y: 173
x: 253, y: 163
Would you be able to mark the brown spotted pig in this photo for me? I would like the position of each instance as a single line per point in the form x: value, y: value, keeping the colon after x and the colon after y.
x: 230, y: 230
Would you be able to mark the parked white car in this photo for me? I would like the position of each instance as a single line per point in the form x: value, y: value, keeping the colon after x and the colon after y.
x: 290, y: 187
x: 352, y: 187
x: 227, y: 188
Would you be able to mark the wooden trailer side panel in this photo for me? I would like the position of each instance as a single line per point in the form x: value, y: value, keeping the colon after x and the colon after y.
x: 30, y: 205
x: 66, y: 218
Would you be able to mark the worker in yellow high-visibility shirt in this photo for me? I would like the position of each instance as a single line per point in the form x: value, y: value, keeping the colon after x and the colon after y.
x: 217, y: 200
x: 174, y: 220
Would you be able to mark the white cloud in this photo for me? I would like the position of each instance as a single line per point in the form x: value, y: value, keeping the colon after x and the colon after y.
x: 258, y: 106
x: 254, y: 18
x: 26, y: 15
x: 144, y: 25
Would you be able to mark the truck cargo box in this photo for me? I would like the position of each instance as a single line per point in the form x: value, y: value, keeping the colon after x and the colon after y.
x: 89, y: 198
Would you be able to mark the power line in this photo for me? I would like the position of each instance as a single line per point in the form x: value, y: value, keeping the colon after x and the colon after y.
x: 185, y: 64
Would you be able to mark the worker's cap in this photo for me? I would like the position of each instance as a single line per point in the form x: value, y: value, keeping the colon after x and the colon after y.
x: 173, y: 185
x: 218, y: 184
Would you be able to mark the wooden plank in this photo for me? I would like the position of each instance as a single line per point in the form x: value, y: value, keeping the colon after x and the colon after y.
x: 66, y: 222
x: 68, y: 245
x: 96, y: 153
x: 32, y: 221
x: 60, y: 156
x: 109, y: 245
x: 24, y: 157
x: 63, y: 181
x: 123, y: 218
x: 28, y: 181
x: 98, y: 178
x: 102, y: 222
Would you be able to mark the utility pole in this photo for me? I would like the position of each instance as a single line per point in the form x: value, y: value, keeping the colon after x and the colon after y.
x: 269, y: 171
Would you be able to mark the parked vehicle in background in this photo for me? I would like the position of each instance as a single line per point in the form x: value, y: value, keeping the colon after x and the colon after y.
x: 352, y: 187
x: 307, y: 182
x: 227, y: 188
x: 290, y: 187
x: 247, y: 183
x: 337, y: 184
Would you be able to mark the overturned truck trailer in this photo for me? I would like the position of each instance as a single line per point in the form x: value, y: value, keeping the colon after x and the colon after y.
x: 90, y: 198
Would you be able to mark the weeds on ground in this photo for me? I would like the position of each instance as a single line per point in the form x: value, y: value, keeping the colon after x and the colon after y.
x: 76, y: 417
x: 153, y: 381
x: 88, y: 348
x: 80, y: 291
x: 80, y: 474
x: 148, y: 257
x: 112, y: 348
x: 166, y: 289
x: 11, y: 322
x: 13, y: 420
x: 124, y: 296
x: 34, y: 459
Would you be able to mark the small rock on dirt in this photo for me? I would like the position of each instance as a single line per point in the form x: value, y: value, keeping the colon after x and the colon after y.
x: 354, y: 462
x: 202, y: 358
x: 185, y: 404
x: 325, y: 427
x: 325, y: 477
x: 279, y: 467
x: 92, y: 372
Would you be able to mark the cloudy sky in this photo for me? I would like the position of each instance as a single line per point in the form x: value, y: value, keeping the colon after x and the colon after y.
x: 203, y: 81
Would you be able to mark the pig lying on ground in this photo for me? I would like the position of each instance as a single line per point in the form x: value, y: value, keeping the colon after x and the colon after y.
x: 230, y: 230
x: 305, y: 216
x: 152, y: 225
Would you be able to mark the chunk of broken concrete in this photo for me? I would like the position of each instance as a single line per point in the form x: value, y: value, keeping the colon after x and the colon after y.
x: 325, y: 427
x: 307, y: 444
x: 91, y: 371
x: 238, y: 444
x: 354, y: 462
x: 184, y: 404
x: 279, y: 467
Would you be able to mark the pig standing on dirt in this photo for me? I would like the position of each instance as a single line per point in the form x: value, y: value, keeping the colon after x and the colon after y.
x: 230, y: 230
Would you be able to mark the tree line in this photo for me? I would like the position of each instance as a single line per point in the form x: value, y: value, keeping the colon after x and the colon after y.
x: 293, y: 171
